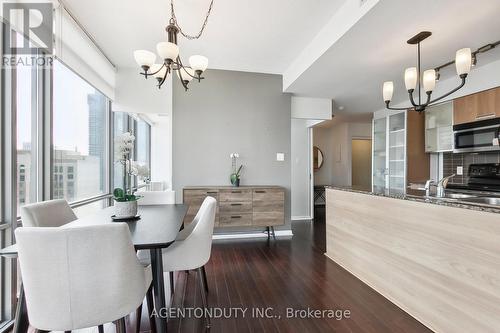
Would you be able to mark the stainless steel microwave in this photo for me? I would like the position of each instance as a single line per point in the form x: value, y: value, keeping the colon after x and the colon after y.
x: 477, y: 136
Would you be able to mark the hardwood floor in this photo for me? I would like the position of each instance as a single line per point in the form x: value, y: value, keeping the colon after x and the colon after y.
x: 287, y: 273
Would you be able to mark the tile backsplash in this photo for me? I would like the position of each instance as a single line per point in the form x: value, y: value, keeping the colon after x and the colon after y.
x: 452, y: 161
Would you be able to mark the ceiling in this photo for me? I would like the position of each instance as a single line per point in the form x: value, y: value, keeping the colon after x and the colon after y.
x: 245, y: 35
x: 374, y: 50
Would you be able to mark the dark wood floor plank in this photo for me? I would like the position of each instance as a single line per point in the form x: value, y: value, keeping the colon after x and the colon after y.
x: 284, y: 273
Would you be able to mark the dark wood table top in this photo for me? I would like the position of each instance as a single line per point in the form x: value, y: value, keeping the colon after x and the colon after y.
x: 158, y: 226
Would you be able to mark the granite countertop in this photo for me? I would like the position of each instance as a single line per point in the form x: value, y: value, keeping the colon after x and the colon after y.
x: 419, y: 196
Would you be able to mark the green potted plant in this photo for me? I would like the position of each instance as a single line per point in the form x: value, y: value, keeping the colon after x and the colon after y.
x: 236, y: 174
x: 125, y: 199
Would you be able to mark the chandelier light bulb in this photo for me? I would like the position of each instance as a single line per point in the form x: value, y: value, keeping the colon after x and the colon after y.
x: 463, y: 61
x: 144, y: 58
x: 429, y: 80
x: 167, y: 50
x: 198, y: 62
x: 388, y: 90
x: 411, y: 78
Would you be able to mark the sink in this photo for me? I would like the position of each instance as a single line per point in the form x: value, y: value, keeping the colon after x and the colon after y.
x: 484, y: 200
x: 459, y: 196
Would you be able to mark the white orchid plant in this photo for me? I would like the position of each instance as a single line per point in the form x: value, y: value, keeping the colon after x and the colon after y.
x: 124, y: 145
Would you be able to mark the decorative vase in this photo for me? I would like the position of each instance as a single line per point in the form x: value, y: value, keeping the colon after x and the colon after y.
x: 235, y: 181
x: 125, y: 209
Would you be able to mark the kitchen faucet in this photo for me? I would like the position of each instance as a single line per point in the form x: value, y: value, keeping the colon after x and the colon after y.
x: 440, y: 186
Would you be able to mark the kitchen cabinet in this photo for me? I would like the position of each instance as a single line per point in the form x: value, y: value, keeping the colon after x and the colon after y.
x: 479, y: 106
x: 399, y: 151
x: 439, y: 128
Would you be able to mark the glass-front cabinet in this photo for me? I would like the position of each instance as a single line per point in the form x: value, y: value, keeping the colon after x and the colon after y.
x: 379, y: 153
x: 439, y: 128
x: 389, y: 152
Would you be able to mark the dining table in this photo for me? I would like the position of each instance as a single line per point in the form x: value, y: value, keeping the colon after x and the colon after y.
x: 155, y: 229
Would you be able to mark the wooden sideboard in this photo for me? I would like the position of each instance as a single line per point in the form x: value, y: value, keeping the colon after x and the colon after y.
x: 245, y: 206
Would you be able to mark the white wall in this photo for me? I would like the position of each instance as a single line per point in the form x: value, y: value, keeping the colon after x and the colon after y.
x: 134, y: 94
x: 336, y: 144
x: 161, y: 150
x: 300, y: 166
x: 311, y: 108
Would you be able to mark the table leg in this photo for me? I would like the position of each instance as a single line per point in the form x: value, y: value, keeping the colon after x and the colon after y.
x: 159, y: 289
x: 21, y: 322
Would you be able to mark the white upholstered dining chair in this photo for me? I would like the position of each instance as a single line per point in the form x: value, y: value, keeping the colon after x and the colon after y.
x: 80, y: 277
x: 51, y: 213
x: 193, y: 251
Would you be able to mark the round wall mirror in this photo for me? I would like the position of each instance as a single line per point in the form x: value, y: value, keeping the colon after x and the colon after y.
x: 317, y: 158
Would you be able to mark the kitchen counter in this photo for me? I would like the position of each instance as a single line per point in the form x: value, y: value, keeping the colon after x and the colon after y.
x: 419, y: 196
x: 437, y: 262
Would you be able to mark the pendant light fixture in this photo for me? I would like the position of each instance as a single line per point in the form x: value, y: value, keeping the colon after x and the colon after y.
x: 169, y: 55
x: 416, y: 80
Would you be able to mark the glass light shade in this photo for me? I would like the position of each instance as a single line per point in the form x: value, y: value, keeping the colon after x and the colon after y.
x: 388, y: 90
x: 186, y: 76
x: 167, y: 50
x: 463, y: 61
x: 411, y: 78
x: 198, y: 62
x: 156, y: 68
x: 144, y: 58
x: 429, y: 80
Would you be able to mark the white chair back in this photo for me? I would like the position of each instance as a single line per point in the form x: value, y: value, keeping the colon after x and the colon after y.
x: 51, y: 213
x: 79, y: 277
x: 195, y: 250
x: 156, y: 198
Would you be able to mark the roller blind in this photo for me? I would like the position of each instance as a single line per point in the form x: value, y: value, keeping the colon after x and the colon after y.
x: 76, y: 50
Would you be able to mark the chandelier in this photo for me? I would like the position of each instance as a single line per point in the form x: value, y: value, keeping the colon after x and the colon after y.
x: 415, y: 80
x: 169, y: 55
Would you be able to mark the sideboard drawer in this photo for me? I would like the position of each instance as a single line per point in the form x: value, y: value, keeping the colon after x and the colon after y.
x: 194, y: 198
x: 235, y: 195
x: 199, y: 195
x: 268, y: 219
x: 232, y: 207
x: 268, y: 206
x: 235, y: 220
x: 268, y: 194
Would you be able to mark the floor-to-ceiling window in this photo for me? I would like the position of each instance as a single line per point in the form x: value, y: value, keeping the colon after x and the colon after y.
x: 55, y: 142
x: 25, y: 107
x: 143, y: 145
x: 80, y: 140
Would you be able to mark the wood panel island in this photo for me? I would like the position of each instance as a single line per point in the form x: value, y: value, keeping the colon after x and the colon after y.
x: 439, y: 261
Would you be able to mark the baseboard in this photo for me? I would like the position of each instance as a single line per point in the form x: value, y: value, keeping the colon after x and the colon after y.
x: 278, y: 233
x: 299, y: 218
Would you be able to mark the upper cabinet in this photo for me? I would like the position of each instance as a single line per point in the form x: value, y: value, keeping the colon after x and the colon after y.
x: 479, y: 106
x: 439, y: 128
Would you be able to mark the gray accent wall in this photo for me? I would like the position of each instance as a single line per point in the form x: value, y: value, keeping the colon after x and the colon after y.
x: 231, y: 111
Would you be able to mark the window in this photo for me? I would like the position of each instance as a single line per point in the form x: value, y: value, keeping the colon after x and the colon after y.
x: 120, y: 126
x: 80, y: 122
x: 142, y: 143
x: 26, y: 130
